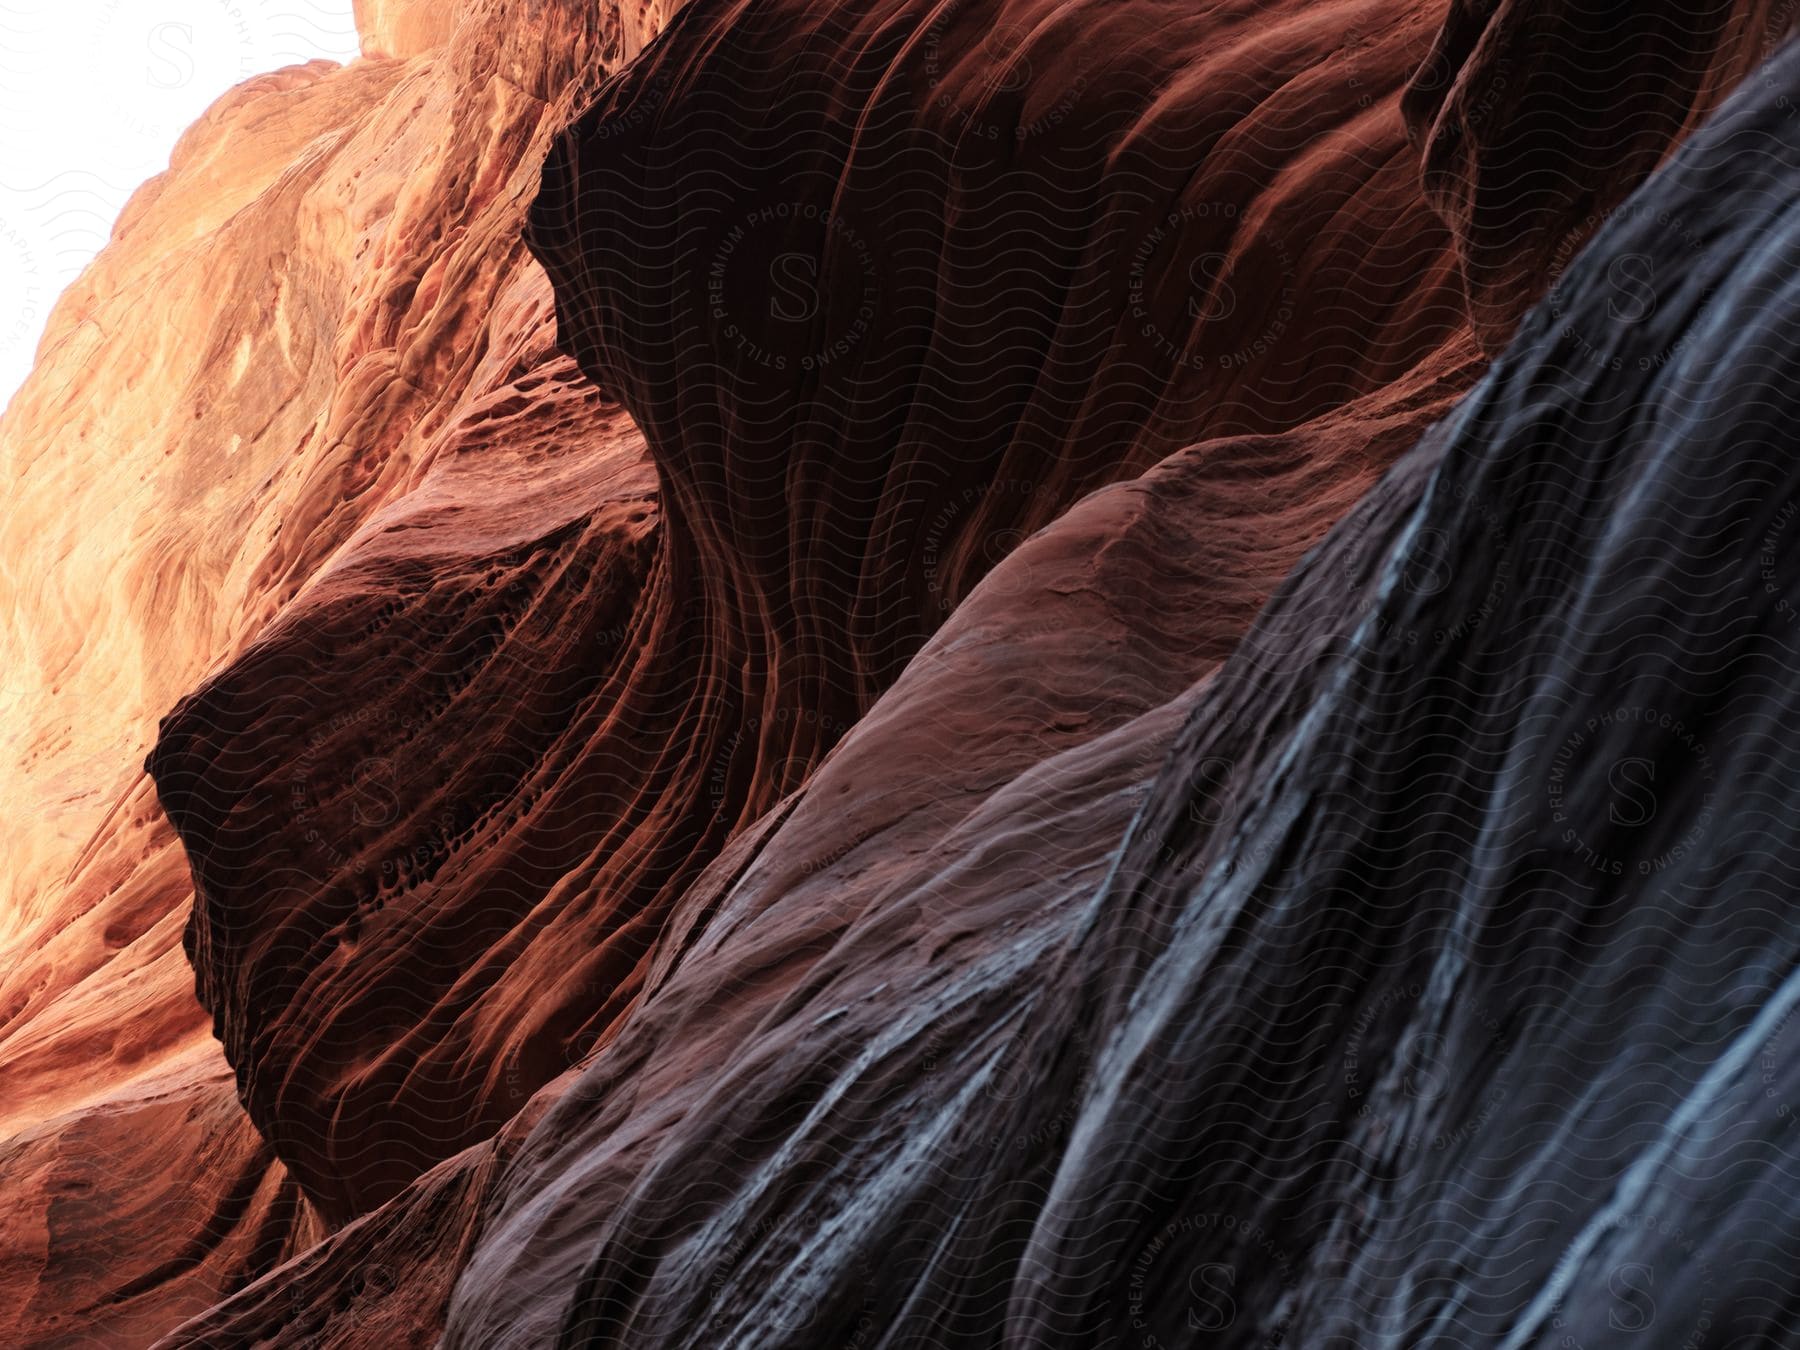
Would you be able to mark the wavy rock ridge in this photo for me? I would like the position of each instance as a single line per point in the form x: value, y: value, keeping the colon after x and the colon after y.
x: 664, y: 886
x: 325, y: 291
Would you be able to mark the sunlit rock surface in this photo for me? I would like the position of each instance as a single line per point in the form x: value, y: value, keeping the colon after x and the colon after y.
x: 737, y: 830
x: 289, y: 330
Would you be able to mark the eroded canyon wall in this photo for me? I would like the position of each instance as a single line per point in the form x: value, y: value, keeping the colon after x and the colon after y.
x: 323, y: 296
x: 655, y: 806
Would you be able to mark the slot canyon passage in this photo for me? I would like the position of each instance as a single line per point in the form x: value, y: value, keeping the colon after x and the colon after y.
x: 921, y: 673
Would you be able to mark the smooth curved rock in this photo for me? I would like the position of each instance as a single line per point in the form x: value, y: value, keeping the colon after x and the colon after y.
x: 1537, y: 117
x: 1444, y: 988
x: 575, y: 722
x: 263, y: 355
x: 667, y: 888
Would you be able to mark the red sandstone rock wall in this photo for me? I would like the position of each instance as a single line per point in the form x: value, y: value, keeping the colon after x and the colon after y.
x: 322, y: 299
x: 492, y: 673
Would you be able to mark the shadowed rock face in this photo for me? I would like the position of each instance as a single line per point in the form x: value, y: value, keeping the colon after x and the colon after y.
x: 1533, y: 114
x: 736, y: 831
x: 441, y: 815
x: 1444, y: 985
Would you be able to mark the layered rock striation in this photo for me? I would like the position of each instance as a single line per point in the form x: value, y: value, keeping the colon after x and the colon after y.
x: 1442, y: 988
x: 325, y: 290
x: 702, y: 619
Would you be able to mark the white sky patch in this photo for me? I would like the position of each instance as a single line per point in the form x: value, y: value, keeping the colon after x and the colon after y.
x: 93, y: 96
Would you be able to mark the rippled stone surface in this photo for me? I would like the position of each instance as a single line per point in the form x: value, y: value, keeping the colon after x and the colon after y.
x: 442, y: 814
x: 1442, y: 990
x: 323, y: 297
x: 727, y: 793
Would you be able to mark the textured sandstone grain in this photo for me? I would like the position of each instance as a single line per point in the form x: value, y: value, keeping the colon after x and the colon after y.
x: 649, y: 799
x: 265, y: 354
